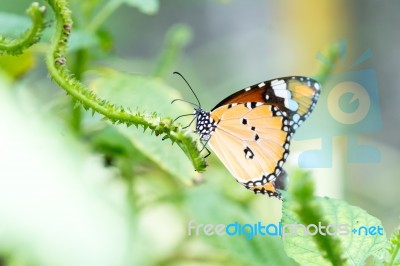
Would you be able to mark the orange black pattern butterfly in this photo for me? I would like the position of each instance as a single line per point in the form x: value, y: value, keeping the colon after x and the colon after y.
x: 250, y: 131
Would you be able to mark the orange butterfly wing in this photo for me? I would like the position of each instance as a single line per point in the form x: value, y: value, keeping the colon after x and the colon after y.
x: 251, y: 141
x: 295, y: 96
x: 250, y: 131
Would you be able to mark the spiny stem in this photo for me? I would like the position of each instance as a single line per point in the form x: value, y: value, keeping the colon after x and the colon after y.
x: 394, y: 248
x: 308, y: 211
x: 30, y: 36
x: 394, y: 255
x: 56, y: 64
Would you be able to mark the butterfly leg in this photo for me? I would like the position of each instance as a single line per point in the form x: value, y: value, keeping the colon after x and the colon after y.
x: 208, y: 152
x: 189, y: 124
x: 204, y: 147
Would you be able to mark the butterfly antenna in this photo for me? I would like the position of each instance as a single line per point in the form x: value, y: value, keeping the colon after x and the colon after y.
x: 199, y: 105
x: 184, y: 101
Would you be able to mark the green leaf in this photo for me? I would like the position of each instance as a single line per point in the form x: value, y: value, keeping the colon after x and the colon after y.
x: 301, y: 201
x: 148, y: 94
x: 393, y: 251
x: 12, y: 25
x: 149, y: 7
x: 357, y: 248
x: 82, y: 39
x: 109, y: 141
x: 105, y: 40
x: 214, y: 208
x: 16, y: 66
x: 54, y: 195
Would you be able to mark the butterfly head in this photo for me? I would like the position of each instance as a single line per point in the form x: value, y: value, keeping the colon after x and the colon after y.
x: 205, y: 125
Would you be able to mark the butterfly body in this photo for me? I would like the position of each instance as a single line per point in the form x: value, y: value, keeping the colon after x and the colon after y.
x: 205, y: 125
x: 250, y: 131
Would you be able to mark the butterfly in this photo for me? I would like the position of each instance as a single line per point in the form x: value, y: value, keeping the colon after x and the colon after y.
x: 250, y: 131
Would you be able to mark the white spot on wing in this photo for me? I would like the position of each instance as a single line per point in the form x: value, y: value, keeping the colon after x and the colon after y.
x: 278, y: 84
x: 247, y: 89
x: 283, y: 93
x: 262, y: 84
x: 280, y: 90
x: 286, y: 146
x: 296, y: 117
x: 291, y: 105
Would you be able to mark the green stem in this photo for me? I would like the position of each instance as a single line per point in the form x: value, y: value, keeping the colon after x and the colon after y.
x: 394, y: 255
x: 333, y: 55
x: 308, y: 211
x: 56, y: 64
x: 30, y: 36
x: 103, y: 14
x: 80, y: 62
x: 177, y: 37
x: 396, y: 241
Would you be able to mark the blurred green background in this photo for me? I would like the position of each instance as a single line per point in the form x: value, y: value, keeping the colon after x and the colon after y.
x: 78, y: 191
